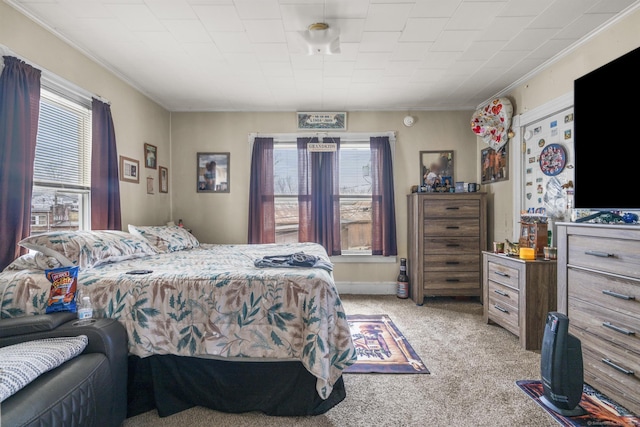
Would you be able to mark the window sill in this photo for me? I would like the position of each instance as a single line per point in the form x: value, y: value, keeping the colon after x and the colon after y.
x: 364, y: 259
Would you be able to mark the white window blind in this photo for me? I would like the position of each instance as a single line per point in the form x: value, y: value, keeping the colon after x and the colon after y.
x: 63, y: 149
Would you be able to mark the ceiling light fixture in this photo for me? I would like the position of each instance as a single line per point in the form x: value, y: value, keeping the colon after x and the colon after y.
x: 321, y: 40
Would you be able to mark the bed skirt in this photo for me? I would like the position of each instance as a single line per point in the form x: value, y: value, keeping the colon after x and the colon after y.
x: 172, y: 384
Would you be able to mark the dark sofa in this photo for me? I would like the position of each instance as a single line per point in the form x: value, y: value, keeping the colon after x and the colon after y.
x: 88, y: 390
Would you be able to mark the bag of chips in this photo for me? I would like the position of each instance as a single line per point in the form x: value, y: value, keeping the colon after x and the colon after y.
x: 62, y: 295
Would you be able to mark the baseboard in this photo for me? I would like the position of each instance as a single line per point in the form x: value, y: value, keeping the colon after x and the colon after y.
x: 367, y: 288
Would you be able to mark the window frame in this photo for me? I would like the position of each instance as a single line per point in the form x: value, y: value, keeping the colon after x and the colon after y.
x: 345, y: 138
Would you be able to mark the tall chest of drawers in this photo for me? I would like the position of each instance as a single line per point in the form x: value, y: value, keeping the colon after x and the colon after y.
x: 599, y: 290
x: 447, y: 233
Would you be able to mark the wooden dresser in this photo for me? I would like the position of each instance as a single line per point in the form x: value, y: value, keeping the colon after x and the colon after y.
x: 447, y: 232
x: 599, y: 290
x: 518, y: 295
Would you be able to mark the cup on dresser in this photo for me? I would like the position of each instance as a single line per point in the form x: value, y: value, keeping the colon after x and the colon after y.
x: 473, y: 187
x: 550, y: 253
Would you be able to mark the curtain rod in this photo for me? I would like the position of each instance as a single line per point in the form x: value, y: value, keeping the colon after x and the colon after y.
x: 53, y: 81
x: 344, y: 136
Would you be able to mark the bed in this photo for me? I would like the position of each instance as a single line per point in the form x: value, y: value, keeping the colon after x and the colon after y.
x: 232, y: 327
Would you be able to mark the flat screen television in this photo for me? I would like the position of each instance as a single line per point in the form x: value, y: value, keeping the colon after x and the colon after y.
x: 606, y: 139
x: 561, y: 367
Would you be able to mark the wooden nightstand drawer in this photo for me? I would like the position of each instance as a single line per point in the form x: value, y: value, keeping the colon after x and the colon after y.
x: 450, y: 227
x: 503, y: 294
x: 454, y: 208
x: 454, y: 280
x: 503, y: 274
x: 504, y: 314
x: 618, y: 256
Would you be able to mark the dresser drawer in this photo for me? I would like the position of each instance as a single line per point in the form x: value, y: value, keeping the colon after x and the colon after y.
x: 454, y: 208
x: 611, y: 370
x: 503, y: 274
x: 457, y: 280
x: 605, y: 323
x: 451, y: 227
x: 618, y: 256
x: 503, y: 294
x: 504, y: 314
x: 448, y: 262
x: 440, y: 244
x: 616, y: 293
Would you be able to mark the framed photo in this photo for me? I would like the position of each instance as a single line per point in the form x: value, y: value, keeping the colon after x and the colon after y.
x: 325, y: 121
x: 163, y: 178
x: 212, y: 172
x: 494, y: 164
x: 129, y: 170
x: 149, y: 185
x: 150, y: 156
x: 434, y: 165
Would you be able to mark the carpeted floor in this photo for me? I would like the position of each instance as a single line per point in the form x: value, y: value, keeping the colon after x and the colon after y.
x: 474, y: 368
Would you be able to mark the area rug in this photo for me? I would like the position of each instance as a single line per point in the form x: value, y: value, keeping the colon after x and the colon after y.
x: 601, y: 411
x: 381, y: 347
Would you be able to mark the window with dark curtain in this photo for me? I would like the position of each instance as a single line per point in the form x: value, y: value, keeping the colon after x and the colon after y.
x: 383, y: 204
x: 262, y: 222
x: 318, y: 195
x: 19, y: 111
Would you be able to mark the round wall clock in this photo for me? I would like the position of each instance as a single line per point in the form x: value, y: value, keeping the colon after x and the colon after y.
x: 553, y: 159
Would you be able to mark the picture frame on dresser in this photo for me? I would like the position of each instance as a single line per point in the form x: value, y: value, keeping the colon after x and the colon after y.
x: 434, y: 165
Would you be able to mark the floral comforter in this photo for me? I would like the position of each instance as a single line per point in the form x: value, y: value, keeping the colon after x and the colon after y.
x: 211, y: 301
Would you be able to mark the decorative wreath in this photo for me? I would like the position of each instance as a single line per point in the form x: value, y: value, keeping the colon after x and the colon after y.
x: 492, y: 122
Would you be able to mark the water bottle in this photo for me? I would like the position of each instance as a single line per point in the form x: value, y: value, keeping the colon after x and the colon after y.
x: 85, y: 311
x: 403, y: 280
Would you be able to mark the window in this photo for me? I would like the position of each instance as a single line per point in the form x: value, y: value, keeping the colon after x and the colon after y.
x: 61, y: 177
x: 355, y: 194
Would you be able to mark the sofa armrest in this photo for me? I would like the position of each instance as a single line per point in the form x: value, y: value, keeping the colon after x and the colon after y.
x: 26, y: 325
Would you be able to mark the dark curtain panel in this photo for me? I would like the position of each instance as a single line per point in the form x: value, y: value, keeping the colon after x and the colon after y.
x: 105, y: 185
x: 19, y: 113
x: 383, y: 206
x: 325, y: 217
x: 262, y: 223
x: 305, y: 216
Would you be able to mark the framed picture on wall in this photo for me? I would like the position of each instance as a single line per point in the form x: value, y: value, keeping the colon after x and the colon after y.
x: 129, y: 170
x: 163, y: 176
x: 150, y: 156
x: 212, y: 172
x: 434, y: 165
x: 494, y: 164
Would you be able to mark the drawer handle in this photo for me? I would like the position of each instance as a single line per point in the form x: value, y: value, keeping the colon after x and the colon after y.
x: 452, y: 245
x: 618, y: 368
x: 617, y: 295
x: 500, y: 273
x: 600, y: 254
x: 452, y: 280
x: 452, y: 208
x: 499, y: 292
x: 618, y: 328
x: 452, y: 227
x: 452, y: 262
x: 504, y: 310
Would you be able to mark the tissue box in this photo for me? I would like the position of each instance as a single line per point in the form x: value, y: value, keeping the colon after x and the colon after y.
x: 527, y: 253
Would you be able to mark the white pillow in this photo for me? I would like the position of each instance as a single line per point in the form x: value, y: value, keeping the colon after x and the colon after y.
x: 88, y: 249
x: 22, y: 363
x: 166, y: 238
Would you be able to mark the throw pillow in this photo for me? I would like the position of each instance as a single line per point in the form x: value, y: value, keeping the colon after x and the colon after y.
x: 166, y: 238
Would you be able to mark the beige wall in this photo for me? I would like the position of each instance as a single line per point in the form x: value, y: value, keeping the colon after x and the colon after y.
x: 136, y: 118
x: 553, y: 82
x: 222, y: 217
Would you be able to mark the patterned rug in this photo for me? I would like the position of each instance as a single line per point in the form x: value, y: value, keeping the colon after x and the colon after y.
x: 601, y: 411
x: 381, y: 347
